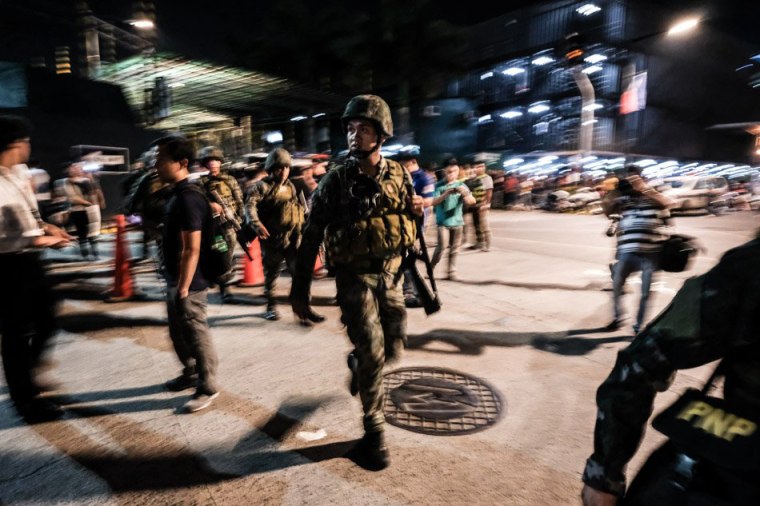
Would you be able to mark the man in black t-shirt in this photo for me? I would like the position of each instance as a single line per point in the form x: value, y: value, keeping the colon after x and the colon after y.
x: 187, y: 289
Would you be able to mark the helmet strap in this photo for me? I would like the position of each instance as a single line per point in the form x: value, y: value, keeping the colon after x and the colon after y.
x: 362, y: 154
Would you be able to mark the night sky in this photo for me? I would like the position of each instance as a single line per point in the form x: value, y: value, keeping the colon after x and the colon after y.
x: 191, y: 27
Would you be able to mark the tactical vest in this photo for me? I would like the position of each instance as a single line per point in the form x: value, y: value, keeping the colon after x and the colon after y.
x: 221, y: 185
x: 281, y: 210
x: 385, y: 231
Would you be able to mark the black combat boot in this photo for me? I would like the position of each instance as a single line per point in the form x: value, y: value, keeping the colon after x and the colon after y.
x: 225, y: 292
x: 271, y: 313
x: 371, y: 453
x: 353, y: 366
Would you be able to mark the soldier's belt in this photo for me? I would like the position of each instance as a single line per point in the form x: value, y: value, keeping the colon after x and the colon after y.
x: 373, y: 265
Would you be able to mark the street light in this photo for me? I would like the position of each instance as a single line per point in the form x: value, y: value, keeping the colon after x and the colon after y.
x: 683, y: 26
x: 143, y: 24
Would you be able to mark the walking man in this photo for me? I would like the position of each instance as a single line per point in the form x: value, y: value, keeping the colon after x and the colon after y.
x: 642, y: 210
x: 449, y: 199
x: 424, y: 185
x: 364, y: 213
x: 187, y: 216
x: 226, y: 205
x: 276, y: 214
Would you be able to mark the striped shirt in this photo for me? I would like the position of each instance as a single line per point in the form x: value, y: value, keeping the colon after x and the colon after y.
x: 18, y: 211
x: 641, y: 228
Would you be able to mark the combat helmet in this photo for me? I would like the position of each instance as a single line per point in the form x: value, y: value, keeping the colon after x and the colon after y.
x: 278, y: 157
x: 210, y: 153
x: 372, y: 108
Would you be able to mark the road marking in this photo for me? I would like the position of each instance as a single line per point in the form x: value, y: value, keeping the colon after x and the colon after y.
x: 312, y: 436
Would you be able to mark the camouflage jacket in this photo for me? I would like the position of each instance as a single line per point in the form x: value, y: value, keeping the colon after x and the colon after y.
x: 331, y: 220
x: 713, y: 316
x: 224, y: 190
x: 275, y: 206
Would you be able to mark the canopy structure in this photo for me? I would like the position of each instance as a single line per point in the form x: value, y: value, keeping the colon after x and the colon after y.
x: 203, y: 93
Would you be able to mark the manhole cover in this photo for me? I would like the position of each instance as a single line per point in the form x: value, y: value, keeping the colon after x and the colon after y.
x: 439, y: 402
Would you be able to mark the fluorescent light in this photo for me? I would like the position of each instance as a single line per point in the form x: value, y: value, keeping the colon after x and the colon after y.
x: 593, y: 107
x: 542, y: 60
x: 486, y: 75
x: 485, y: 118
x: 511, y: 114
x: 513, y: 71
x: 592, y: 69
x: 546, y: 159
x: 142, y: 24
x: 513, y: 161
x: 595, y: 58
x: 274, y: 137
x: 683, y: 26
x: 318, y: 115
x: 298, y: 118
x: 588, y: 9
x: 538, y: 108
x: 176, y: 85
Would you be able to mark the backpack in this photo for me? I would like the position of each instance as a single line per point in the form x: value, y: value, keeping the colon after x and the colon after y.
x: 213, y: 257
x: 677, y: 252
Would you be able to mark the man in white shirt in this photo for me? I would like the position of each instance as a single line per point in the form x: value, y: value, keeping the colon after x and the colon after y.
x: 27, y: 304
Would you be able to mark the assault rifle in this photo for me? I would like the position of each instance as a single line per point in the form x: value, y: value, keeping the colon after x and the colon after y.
x: 428, y: 295
x: 243, y: 236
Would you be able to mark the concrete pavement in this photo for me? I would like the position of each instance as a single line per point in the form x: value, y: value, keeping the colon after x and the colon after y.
x: 525, y: 318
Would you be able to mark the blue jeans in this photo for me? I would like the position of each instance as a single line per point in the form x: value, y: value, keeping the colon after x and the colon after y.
x: 627, y: 264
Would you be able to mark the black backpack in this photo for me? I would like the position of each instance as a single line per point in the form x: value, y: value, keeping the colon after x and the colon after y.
x: 213, y: 258
x: 676, y: 252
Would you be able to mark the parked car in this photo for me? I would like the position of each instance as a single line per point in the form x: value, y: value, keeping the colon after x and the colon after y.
x: 693, y: 192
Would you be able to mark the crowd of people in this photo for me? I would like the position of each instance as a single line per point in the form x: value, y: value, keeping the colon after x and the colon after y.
x: 363, y: 216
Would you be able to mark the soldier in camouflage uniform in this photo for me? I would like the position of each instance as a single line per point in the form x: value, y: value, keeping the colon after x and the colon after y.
x: 713, y: 316
x: 147, y: 197
x: 363, y: 210
x: 226, y: 200
x: 276, y: 214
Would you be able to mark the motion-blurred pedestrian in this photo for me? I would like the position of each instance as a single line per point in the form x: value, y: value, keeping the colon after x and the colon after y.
x: 27, y: 303
x: 449, y: 199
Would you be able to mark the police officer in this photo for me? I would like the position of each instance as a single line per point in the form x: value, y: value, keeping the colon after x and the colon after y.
x: 276, y: 214
x: 362, y: 209
x: 226, y: 203
x: 713, y: 316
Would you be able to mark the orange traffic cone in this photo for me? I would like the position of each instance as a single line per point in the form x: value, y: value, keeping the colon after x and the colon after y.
x: 253, y: 270
x: 122, y: 282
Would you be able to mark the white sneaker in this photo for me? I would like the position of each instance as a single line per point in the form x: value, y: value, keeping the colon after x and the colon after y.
x: 200, y: 401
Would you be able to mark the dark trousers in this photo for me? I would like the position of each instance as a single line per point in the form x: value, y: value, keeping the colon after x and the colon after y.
x: 81, y: 224
x: 189, y: 332
x: 272, y: 257
x: 27, y: 321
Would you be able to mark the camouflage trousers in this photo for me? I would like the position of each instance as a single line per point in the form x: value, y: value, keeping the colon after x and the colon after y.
x: 230, y: 237
x: 272, y: 257
x: 372, y: 307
